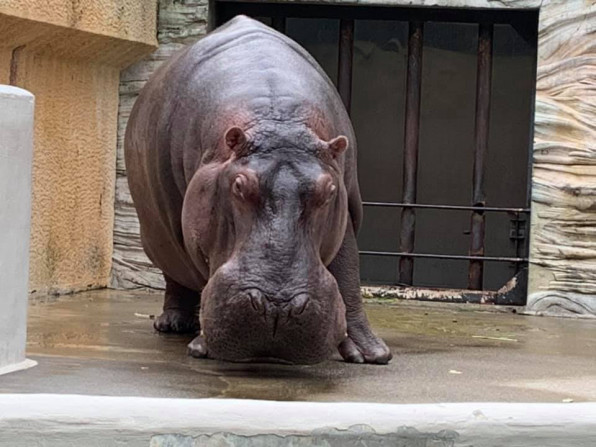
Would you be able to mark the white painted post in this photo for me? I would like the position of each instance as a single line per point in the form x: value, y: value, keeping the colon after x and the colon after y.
x: 16, y: 156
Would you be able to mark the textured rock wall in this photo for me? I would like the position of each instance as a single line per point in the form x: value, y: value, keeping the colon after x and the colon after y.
x: 563, y: 239
x: 179, y: 23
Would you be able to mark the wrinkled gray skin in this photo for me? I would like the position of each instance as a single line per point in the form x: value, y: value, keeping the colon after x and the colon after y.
x: 241, y: 162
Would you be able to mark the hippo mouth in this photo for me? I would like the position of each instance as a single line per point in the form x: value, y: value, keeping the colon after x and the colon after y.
x: 274, y: 311
x: 255, y: 325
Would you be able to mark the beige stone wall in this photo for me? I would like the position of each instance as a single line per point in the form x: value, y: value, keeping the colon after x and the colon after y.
x: 69, y: 54
x: 130, y: 20
x: 5, y: 56
x: 73, y: 170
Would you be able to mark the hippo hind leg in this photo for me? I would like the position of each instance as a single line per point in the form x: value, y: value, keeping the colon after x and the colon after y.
x: 180, y: 309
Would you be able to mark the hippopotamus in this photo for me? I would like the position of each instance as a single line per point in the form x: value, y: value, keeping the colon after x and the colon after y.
x: 241, y: 163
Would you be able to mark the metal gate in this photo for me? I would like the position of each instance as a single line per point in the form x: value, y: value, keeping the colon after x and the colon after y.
x: 525, y: 24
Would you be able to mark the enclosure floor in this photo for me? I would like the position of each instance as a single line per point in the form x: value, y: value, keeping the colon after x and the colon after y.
x: 103, y: 342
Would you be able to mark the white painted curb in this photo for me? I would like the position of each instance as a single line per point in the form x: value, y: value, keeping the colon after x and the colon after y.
x: 58, y: 420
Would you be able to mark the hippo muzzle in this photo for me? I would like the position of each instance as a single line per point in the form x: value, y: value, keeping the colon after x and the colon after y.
x: 243, y: 322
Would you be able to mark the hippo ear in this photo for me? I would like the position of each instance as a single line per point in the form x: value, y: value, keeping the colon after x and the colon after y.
x: 338, y: 145
x: 236, y: 139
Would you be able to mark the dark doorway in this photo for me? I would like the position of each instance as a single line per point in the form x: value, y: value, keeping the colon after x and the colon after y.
x: 442, y: 104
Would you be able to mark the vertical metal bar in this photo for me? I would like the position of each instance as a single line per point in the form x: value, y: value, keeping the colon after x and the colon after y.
x: 517, y: 241
x: 531, y: 129
x: 483, y: 91
x: 346, y: 54
x: 411, y: 138
x: 528, y: 226
x: 279, y: 23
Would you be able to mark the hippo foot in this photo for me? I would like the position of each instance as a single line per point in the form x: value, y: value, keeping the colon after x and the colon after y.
x: 198, y: 348
x: 365, y: 349
x: 177, y: 321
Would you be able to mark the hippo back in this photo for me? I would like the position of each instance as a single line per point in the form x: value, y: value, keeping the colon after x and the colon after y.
x: 242, y: 73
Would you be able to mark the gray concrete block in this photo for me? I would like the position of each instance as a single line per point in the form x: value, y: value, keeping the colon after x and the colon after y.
x: 16, y: 152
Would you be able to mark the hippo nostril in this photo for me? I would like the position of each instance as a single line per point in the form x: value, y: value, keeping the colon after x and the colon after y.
x: 256, y: 300
x: 299, y: 303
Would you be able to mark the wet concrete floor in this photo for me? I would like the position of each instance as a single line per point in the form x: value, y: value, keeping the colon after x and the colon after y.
x: 103, y: 342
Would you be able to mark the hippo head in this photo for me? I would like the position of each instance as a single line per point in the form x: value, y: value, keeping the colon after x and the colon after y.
x: 266, y: 220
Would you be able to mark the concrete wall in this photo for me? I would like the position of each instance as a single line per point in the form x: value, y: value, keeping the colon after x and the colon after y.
x: 16, y: 154
x: 69, y: 54
x: 563, y: 248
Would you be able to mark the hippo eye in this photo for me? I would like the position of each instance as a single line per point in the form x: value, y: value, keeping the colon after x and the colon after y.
x: 239, y: 186
x: 330, y: 192
x: 245, y: 187
x: 327, y: 194
x: 324, y: 190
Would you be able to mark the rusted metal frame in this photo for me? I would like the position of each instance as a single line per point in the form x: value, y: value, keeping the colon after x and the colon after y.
x: 411, y: 140
x: 528, y: 228
x: 481, y: 133
x: 346, y: 55
x: 532, y: 124
x: 227, y: 9
x: 438, y: 256
x: 278, y: 23
x: 432, y: 294
x: 511, y: 294
x: 448, y: 207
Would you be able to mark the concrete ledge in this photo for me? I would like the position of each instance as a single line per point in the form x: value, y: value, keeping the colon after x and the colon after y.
x: 115, y: 32
x: 70, y: 43
x: 25, y: 364
x: 57, y: 420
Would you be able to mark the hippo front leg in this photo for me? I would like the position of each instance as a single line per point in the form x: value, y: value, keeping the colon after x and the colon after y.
x: 180, y: 309
x: 361, y: 345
